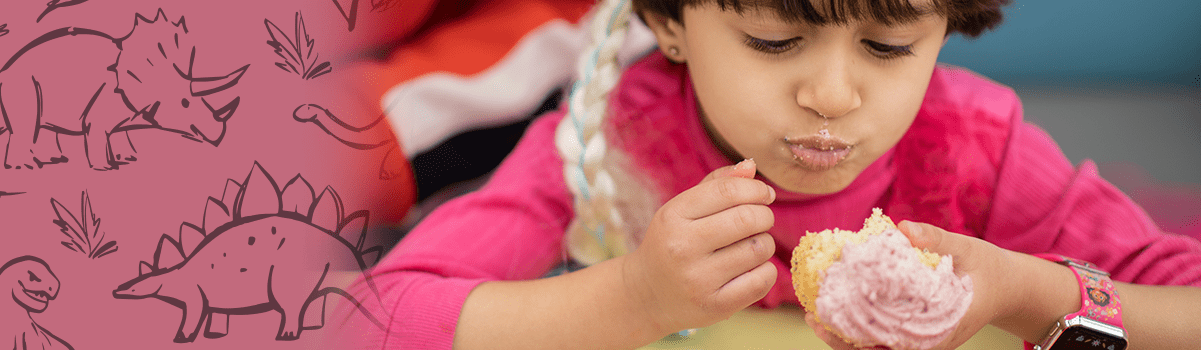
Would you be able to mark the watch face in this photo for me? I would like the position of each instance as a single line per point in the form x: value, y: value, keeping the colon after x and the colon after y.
x: 1080, y: 338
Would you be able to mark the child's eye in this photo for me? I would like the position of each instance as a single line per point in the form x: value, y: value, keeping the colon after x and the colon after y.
x: 886, y: 51
x: 771, y: 46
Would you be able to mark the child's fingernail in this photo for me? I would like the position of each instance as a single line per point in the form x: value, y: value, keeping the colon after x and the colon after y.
x: 914, y: 229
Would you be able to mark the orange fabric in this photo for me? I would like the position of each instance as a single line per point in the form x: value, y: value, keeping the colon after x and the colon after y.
x: 464, y: 44
x: 469, y: 44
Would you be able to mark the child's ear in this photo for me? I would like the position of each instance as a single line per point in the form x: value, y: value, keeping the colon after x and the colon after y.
x: 668, y: 32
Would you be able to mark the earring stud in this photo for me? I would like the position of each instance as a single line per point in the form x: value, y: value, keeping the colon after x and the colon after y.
x: 673, y: 51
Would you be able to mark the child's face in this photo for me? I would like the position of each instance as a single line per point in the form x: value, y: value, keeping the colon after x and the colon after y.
x: 868, y: 79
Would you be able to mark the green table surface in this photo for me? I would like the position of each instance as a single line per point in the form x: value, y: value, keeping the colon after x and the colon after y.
x: 782, y: 328
x: 785, y: 328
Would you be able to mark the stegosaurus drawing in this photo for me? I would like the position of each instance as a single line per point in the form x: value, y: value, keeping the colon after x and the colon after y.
x: 258, y: 249
x: 83, y: 82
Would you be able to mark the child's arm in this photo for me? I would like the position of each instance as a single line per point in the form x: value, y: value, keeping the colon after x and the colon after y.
x: 1026, y: 296
x: 1155, y: 317
x: 584, y: 309
x: 1038, y: 293
x: 704, y: 257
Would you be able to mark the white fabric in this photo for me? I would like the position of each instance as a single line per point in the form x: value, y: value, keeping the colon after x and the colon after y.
x: 435, y: 107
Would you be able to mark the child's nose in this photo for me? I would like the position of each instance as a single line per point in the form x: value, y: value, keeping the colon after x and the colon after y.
x: 829, y: 88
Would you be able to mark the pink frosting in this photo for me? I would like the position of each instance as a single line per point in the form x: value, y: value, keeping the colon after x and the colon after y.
x: 880, y: 293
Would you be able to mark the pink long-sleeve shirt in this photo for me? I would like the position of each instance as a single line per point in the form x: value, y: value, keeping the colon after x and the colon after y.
x: 968, y: 164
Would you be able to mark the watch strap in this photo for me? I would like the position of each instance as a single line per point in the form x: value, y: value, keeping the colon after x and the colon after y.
x: 1098, y: 300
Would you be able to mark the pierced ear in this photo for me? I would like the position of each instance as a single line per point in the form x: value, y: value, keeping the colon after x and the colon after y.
x: 669, y: 33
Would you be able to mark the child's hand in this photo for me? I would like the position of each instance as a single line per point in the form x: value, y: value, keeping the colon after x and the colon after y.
x: 705, y: 254
x: 984, y: 262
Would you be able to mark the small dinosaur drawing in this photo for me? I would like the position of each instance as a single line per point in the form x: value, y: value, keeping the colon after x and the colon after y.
x: 243, y: 259
x: 32, y: 286
x: 83, y: 82
x: 374, y: 135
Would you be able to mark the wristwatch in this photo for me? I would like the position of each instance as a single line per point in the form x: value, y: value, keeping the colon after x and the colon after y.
x: 1098, y: 324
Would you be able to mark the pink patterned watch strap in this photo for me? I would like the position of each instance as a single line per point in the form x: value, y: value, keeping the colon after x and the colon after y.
x: 1098, y: 299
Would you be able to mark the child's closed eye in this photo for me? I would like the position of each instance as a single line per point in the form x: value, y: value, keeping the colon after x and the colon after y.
x: 886, y: 51
x: 771, y: 46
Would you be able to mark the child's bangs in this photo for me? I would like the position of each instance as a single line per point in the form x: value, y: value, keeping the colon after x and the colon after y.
x: 823, y: 12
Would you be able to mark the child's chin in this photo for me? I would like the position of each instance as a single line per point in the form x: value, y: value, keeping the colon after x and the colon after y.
x: 809, y: 182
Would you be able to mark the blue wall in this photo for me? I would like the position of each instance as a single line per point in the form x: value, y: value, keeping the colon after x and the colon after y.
x: 1081, y: 41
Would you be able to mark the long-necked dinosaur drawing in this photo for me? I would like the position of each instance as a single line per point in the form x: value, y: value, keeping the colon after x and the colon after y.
x: 374, y: 135
x: 109, y: 85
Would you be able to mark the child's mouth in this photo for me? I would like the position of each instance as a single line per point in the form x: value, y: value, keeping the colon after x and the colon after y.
x: 818, y: 152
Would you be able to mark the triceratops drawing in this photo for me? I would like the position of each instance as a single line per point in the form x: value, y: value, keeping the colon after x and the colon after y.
x: 259, y: 249
x: 83, y: 82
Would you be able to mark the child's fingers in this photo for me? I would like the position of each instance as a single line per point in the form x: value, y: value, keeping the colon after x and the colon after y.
x: 711, y: 197
x: 935, y: 239
x: 744, y: 169
x: 970, y: 253
x: 731, y: 225
x: 829, y: 338
x: 748, y: 287
x: 735, y: 259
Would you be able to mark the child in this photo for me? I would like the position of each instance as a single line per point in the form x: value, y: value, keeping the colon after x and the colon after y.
x: 837, y: 107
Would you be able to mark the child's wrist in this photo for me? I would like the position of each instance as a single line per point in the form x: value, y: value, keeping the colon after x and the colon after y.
x: 637, y: 298
x: 1044, y: 293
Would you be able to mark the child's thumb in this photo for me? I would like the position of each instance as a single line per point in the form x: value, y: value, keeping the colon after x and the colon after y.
x: 744, y: 169
x: 926, y: 236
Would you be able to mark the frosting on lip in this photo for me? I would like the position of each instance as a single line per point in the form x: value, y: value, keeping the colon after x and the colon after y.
x: 880, y: 293
x: 815, y: 159
x: 823, y: 140
x: 818, y: 152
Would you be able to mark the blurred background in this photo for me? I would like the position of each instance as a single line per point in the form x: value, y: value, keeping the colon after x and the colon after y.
x: 1112, y: 81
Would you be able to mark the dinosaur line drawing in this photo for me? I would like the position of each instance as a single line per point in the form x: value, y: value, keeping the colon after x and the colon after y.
x: 253, y: 254
x: 32, y: 287
x: 110, y: 86
x: 373, y: 135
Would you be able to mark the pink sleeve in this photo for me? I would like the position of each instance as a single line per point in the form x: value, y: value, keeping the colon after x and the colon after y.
x: 510, y: 229
x: 1043, y: 204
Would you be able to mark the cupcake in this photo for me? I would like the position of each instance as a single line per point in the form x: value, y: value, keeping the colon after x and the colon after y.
x: 874, y: 288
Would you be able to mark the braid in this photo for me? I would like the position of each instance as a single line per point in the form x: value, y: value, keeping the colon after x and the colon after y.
x: 597, y: 232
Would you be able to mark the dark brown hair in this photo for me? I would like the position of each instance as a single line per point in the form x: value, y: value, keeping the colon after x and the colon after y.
x: 968, y: 17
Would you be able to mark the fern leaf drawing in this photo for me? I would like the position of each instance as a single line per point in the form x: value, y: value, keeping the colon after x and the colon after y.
x: 298, y: 51
x: 84, y: 236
